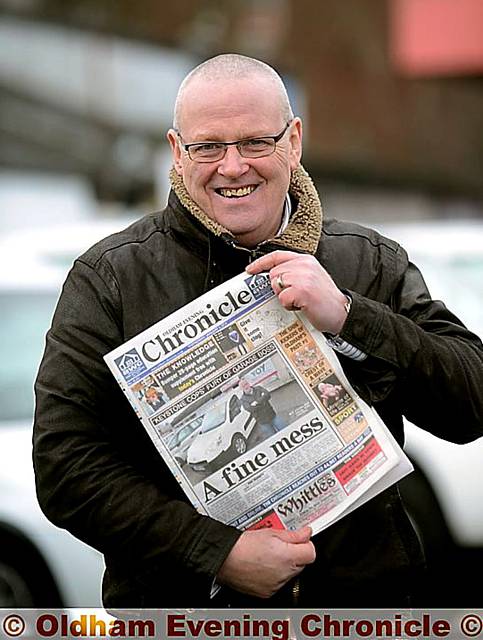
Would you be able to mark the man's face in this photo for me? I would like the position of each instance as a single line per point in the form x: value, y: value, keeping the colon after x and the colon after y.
x: 224, y: 111
x: 245, y: 386
x: 151, y: 394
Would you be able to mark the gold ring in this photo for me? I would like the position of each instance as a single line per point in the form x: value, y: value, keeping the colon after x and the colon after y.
x: 279, y: 282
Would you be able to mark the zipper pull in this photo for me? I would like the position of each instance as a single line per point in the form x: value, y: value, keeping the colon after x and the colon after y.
x: 296, y: 592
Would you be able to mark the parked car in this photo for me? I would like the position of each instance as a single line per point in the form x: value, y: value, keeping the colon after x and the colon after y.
x: 445, y: 493
x: 225, y: 430
x: 182, y: 439
x: 40, y: 564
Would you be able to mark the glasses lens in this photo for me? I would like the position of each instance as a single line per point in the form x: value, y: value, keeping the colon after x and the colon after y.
x: 256, y: 147
x: 208, y: 152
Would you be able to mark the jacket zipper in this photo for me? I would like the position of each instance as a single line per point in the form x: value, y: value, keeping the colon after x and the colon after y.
x: 296, y: 592
x: 254, y: 253
x: 234, y: 245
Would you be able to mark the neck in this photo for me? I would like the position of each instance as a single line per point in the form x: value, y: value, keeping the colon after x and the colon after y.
x: 252, y: 239
x: 301, y: 234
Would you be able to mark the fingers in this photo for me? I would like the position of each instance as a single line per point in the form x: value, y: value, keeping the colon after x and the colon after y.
x: 295, y: 537
x: 262, y: 561
x: 302, y: 555
x: 287, y: 294
x: 279, y: 281
x: 289, y: 271
x: 301, y: 549
x: 270, y: 260
x: 289, y: 299
x: 302, y: 283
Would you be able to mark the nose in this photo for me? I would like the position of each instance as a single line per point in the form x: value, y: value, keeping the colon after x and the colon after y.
x: 233, y: 164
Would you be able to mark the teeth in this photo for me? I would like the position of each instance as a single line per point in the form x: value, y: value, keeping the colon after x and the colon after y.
x: 237, y: 193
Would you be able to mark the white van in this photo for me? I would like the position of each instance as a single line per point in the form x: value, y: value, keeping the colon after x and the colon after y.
x: 225, y: 430
x: 182, y: 439
x: 445, y: 494
x: 40, y: 564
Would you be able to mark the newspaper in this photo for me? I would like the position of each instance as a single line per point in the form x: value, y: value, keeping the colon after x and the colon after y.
x: 251, y: 411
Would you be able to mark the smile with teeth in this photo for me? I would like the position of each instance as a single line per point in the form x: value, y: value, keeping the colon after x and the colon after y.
x: 236, y: 193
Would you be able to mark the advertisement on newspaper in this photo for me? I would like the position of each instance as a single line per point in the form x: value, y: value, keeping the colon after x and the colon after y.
x: 251, y: 411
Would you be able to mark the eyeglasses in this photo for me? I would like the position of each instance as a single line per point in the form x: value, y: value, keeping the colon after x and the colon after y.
x: 248, y: 148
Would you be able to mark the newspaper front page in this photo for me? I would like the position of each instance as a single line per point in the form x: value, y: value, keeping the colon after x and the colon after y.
x: 251, y: 411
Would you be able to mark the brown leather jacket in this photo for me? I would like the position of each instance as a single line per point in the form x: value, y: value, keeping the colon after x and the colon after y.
x: 99, y: 475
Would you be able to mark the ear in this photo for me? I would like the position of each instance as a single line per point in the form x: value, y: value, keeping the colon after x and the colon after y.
x: 295, y: 141
x: 176, y: 151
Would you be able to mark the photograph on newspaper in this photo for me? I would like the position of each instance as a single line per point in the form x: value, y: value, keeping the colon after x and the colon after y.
x: 250, y: 409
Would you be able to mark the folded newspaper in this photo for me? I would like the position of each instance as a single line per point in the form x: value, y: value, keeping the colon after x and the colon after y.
x: 252, y: 413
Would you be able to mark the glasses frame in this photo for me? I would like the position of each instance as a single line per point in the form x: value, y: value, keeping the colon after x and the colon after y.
x: 275, y: 139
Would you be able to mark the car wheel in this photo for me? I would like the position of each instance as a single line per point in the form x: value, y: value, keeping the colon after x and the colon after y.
x: 238, y: 445
x: 25, y: 580
x: 447, y: 580
x: 14, y: 588
x: 426, y: 515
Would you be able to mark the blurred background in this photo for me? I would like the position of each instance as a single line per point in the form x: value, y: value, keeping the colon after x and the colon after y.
x: 391, y: 96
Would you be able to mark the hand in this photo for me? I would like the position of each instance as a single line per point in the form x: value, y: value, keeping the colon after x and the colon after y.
x: 306, y: 286
x: 262, y: 561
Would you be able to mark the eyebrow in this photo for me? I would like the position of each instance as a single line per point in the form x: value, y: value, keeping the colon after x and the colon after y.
x: 218, y: 138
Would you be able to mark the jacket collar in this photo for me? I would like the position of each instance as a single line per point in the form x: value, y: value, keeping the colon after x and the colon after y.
x: 305, y: 226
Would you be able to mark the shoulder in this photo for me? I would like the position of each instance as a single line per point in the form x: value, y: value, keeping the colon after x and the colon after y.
x: 261, y: 390
x: 351, y: 233
x: 360, y: 258
x: 139, y: 234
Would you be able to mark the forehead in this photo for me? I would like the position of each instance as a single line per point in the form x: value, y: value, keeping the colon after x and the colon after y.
x: 230, y: 109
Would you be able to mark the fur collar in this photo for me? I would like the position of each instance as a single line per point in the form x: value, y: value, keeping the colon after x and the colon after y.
x: 305, y: 226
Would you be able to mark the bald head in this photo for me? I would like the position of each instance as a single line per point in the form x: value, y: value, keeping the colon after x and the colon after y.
x: 227, y: 100
x: 233, y: 67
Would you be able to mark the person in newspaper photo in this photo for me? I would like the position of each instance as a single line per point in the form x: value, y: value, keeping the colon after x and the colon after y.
x: 153, y: 398
x: 256, y: 400
x: 241, y: 200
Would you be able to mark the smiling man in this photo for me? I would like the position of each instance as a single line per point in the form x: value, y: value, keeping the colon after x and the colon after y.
x: 241, y: 200
x: 240, y: 186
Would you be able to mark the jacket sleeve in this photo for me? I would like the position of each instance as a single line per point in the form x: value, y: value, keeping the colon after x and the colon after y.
x: 88, y: 480
x: 420, y: 357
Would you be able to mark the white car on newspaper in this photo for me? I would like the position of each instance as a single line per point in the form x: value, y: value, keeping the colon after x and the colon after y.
x: 225, y: 429
x: 40, y: 565
x: 182, y: 439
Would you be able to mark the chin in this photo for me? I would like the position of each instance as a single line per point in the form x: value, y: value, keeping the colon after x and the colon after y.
x: 248, y: 239
x: 239, y: 223
x: 240, y: 234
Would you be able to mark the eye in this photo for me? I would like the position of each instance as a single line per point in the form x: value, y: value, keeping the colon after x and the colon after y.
x: 207, y: 148
x: 256, y: 147
x: 256, y: 143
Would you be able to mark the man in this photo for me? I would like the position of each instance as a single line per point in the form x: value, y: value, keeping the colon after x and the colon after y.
x: 240, y: 199
x: 256, y: 400
x: 329, y: 393
x: 153, y: 398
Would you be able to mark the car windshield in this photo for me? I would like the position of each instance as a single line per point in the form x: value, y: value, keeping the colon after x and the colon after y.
x: 25, y: 318
x: 183, y: 433
x: 172, y: 440
x: 214, y: 418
